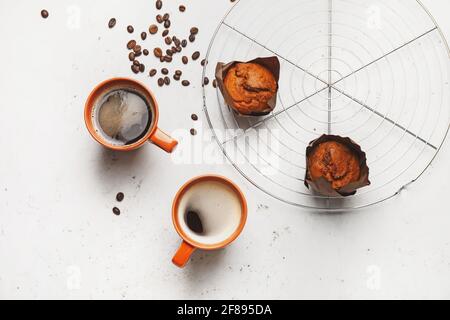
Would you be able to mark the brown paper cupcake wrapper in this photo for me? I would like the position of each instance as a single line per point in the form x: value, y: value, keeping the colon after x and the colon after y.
x: 323, y: 186
x: 271, y: 63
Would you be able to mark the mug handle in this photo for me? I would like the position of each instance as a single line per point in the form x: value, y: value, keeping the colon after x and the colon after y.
x: 183, y: 254
x: 163, y: 140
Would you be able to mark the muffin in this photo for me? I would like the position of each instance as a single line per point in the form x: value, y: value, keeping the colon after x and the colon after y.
x: 336, y: 166
x: 250, y: 88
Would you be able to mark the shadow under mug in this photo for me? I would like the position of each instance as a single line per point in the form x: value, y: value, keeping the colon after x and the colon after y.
x: 154, y: 134
x: 217, y: 205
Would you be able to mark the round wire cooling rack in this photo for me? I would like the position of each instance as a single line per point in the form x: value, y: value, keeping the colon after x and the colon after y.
x: 376, y: 71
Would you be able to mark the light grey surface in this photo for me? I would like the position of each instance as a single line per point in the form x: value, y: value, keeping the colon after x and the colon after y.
x: 59, y: 238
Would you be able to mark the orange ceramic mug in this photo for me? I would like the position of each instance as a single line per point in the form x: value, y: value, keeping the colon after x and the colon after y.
x: 153, y: 134
x: 209, y: 213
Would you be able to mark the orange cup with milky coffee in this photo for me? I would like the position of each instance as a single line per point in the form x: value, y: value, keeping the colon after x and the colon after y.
x: 209, y: 213
x: 122, y: 114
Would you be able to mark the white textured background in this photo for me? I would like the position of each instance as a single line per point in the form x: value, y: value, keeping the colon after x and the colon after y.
x: 59, y: 238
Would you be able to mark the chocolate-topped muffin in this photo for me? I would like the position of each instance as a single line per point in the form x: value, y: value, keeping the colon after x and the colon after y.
x: 336, y: 166
x: 250, y: 88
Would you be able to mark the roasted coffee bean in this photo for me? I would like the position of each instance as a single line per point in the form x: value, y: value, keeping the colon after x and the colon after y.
x: 112, y: 23
x: 146, y: 53
x: 192, y: 38
x: 116, y: 211
x: 177, y: 42
x: 205, y: 81
x: 176, y: 77
x: 215, y: 83
x: 165, y: 33
x: 153, y: 29
x: 135, y: 68
x: 143, y: 35
x: 203, y: 63
x: 195, y: 55
x: 131, y: 56
x: 166, y: 17
x: 131, y: 44
x: 164, y: 71
x: 185, y: 83
x: 169, y: 52
x: 153, y: 72
x: 168, y: 41
x: 194, y: 30
x: 159, y: 18
x: 136, y: 63
x: 182, y: 8
x: 120, y: 196
x: 142, y: 68
x: 185, y: 60
x: 184, y: 43
x: 194, y: 117
x: 193, y: 132
x: 159, y: 4
x: 178, y: 72
x: 130, y: 29
x: 138, y: 54
x: 168, y: 59
x: 167, y: 24
x: 166, y: 81
x: 162, y: 59
x: 44, y: 14
x: 157, y: 52
x: 137, y: 48
x: 160, y: 82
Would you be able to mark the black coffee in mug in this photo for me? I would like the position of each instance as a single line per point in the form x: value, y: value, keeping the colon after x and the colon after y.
x: 122, y: 117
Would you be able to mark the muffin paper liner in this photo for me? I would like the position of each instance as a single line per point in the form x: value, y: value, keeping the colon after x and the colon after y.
x: 271, y: 63
x: 323, y: 186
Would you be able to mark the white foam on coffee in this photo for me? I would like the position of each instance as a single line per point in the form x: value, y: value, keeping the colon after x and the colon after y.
x: 218, y: 207
x: 123, y: 112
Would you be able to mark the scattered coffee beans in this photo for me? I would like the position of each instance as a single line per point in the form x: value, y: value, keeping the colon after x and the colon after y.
x: 120, y: 196
x: 112, y: 23
x: 195, y: 55
x: 131, y: 44
x: 130, y: 29
x: 158, y: 52
x: 159, y: 4
x: 153, y: 29
x: 116, y: 211
x: 167, y: 80
x: 135, y: 68
x: 44, y: 14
